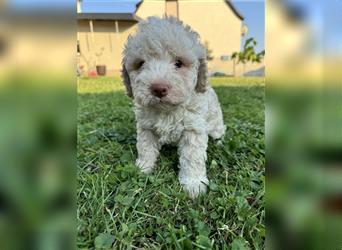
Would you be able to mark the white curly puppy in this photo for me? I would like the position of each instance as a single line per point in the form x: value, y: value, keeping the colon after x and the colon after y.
x: 165, y: 72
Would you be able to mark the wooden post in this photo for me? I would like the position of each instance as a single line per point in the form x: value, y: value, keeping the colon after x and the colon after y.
x: 91, y: 26
x: 117, y: 27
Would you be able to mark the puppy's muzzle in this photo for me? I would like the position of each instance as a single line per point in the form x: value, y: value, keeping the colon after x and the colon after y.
x: 160, y: 89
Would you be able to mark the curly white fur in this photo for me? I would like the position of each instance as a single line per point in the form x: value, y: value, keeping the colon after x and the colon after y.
x: 188, y: 113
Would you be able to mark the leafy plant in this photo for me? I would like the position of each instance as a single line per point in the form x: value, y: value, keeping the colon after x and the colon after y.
x: 104, y: 241
x: 248, y: 54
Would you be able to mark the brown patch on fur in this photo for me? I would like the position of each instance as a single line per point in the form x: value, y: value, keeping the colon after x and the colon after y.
x: 126, y: 81
x: 202, y: 77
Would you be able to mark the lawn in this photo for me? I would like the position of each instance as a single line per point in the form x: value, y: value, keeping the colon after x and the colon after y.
x: 120, y: 208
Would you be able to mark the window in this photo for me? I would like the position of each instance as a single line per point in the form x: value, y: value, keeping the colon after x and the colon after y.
x: 225, y: 58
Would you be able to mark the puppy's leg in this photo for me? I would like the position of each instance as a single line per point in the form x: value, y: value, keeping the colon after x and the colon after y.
x: 192, y: 156
x: 216, y: 127
x: 148, y: 150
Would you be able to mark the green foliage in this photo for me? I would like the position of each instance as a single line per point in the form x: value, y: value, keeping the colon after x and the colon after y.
x: 104, y: 241
x: 218, y: 74
x: 239, y: 244
x: 121, y: 208
x: 248, y: 53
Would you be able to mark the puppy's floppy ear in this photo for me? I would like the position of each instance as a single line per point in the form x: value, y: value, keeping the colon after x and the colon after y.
x: 126, y: 81
x: 202, y: 77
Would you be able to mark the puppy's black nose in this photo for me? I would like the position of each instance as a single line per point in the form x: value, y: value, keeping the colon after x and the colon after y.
x: 160, y: 89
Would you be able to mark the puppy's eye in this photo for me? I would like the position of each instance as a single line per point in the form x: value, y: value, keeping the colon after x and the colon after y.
x: 139, y: 64
x: 178, y: 64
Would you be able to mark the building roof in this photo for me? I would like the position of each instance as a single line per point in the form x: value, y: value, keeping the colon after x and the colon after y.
x: 111, y: 10
x: 109, y: 6
x: 236, y: 12
x: 108, y: 16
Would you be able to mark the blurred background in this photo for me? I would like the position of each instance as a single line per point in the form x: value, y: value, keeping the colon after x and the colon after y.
x: 38, y: 67
x: 303, y: 124
x: 37, y: 124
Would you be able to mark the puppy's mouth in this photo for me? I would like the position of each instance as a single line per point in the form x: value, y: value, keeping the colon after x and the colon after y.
x: 167, y: 101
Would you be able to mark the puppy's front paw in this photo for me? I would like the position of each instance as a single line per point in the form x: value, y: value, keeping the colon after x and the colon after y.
x: 145, y: 166
x: 194, y: 186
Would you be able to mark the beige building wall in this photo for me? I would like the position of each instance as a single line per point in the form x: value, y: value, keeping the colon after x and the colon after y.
x: 221, y: 29
x: 213, y: 20
x: 104, y: 45
x: 151, y: 8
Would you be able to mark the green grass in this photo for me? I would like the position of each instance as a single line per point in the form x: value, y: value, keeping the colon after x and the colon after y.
x: 120, y: 208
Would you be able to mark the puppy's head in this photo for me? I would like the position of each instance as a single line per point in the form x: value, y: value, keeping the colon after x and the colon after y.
x: 164, y: 63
